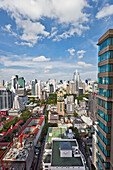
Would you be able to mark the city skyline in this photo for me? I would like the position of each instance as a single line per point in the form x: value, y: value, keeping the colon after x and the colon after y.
x: 51, y: 39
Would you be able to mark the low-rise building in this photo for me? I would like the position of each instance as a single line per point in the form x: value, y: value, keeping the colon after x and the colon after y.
x: 62, y: 153
x: 20, y: 153
x: 53, y: 117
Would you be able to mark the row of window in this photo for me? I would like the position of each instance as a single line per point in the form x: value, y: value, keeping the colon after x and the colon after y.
x: 104, y: 92
x: 106, y: 164
x: 105, y: 152
x: 104, y: 104
x: 107, y: 42
x: 104, y: 116
x: 105, y: 68
x: 100, y: 167
x: 105, y: 80
x: 105, y: 140
x: 106, y: 129
x: 105, y: 56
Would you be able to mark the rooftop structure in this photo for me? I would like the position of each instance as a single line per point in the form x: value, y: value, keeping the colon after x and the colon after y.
x: 60, y: 152
x: 20, y: 154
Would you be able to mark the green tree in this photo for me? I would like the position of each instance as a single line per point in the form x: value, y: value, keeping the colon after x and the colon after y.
x: 75, y: 114
x: 2, y: 119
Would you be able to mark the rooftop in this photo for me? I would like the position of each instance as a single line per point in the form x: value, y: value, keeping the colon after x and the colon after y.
x: 65, y: 145
x: 17, y: 153
x: 64, y: 161
x: 55, y: 132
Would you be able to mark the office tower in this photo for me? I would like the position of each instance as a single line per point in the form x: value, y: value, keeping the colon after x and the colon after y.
x: 2, y: 82
x: 21, y: 82
x: 76, y: 79
x: 38, y: 89
x: 71, y: 87
x: 5, y: 99
x: 33, y: 83
x: 105, y: 102
x: 51, y: 88
x: 14, y: 84
x: 70, y: 105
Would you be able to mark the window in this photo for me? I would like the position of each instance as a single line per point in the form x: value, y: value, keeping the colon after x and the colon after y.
x: 104, y: 104
x: 61, y: 107
x: 104, y: 116
x: 107, y: 42
x: 105, y: 80
x: 105, y: 140
x: 105, y: 152
x: 106, y: 129
x: 106, y: 93
x: 105, y: 68
x: 105, y: 56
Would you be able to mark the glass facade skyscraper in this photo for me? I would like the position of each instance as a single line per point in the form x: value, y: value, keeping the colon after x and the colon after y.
x: 105, y: 102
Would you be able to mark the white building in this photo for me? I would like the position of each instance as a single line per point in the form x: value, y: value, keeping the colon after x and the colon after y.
x: 61, y: 153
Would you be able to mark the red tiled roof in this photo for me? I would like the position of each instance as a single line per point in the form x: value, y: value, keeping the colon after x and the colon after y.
x: 2, y: 144
x: 18, y: 122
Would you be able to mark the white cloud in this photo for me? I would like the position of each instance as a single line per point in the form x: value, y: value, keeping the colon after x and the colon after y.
x: 24, y: 43
x: 28, y: 67
x: 28, y: 16
x: 105, y: 11
x: 49, y: 67
x: 41, y: 58
x: 46, y: 71
x: 94, y: 44
x: 81, y: 53
x: 84, y: 64
x: 8, y: 27
x: 71, y: 51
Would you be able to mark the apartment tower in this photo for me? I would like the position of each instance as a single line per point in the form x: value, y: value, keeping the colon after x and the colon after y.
x: 105, y: 103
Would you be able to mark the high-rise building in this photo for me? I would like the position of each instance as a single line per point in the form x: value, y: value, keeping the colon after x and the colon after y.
x: 5, y: 99
x: 21, y: 82
x: 2, y: 82
x: 76, y: 78
x: 33, y: 86
x: 14, y: 84
x: 105, y: 102
x: 51, y: 88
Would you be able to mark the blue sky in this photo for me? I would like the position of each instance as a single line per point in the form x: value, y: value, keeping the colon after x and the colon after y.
x: 52, y: 38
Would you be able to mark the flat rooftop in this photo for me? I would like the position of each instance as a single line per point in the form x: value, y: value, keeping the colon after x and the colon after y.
x: 64, y: 161
x: 55, y: 133
x: 17, y: 153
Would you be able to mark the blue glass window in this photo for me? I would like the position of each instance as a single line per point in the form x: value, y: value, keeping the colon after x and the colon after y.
x: 105, y: 56
x: 106, y: 129
x: 105, y: 152
x: 104, y: 116
x: 107, y: 42
x: 106, y: 93
x: 104, y: 104
x: 106, y: 164
x: 105, y: 80
x: 105, y: 140
x: 105, y: 68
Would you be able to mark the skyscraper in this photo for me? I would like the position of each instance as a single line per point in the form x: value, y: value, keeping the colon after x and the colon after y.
x: 76, y: 78
x: 5, y: 99
x: 33, y: 86
x: 105, y: 102
x: 21, y: 82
